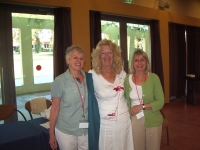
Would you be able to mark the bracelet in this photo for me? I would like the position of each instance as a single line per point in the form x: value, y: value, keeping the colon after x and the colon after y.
x: 143, y: 106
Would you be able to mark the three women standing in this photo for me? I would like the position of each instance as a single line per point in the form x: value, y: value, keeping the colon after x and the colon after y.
x: 74, y: 102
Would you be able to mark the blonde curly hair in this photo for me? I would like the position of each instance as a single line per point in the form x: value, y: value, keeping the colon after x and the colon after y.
x: 117, y: 58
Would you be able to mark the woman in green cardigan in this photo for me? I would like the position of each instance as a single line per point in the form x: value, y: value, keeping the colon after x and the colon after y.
x: 145, y: 99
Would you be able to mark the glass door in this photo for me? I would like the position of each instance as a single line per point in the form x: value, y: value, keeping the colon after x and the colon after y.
x: 32, y: 56
x: 26, y: 55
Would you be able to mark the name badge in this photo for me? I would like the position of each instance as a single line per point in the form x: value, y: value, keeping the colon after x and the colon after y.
x: 83, y: 125
x: 140, y: 114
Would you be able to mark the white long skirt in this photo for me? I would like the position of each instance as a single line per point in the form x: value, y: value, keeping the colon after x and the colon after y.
x: 116, y: 135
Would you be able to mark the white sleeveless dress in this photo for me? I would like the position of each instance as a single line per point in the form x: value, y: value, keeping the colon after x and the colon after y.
x: 115, y: 127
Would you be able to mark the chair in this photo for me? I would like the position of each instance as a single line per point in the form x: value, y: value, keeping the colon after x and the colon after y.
x: 165, y: 125
x: 6, y: 110
x: 37, y: 105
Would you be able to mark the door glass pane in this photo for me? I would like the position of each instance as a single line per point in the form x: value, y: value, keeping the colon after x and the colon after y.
x: 138, y: 38
x: 110, y: 30
x: 33, y: 37
x: 16, y: 34
x: 42, y: 47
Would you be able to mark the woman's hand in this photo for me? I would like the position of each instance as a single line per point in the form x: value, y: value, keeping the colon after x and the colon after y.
x: 135, y: 109
x: 53, y: 142
x: 52, y: 122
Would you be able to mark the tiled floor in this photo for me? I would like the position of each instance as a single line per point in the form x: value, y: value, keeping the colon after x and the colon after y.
x: 184, y: 126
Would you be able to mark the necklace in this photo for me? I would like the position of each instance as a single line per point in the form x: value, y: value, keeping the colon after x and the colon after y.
x: 78, y: 79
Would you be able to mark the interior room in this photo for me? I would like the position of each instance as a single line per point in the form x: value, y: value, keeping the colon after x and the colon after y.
x: 32, y: 47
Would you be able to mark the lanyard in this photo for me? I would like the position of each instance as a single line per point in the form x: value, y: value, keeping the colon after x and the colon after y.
x: 81, y: 98
x: 140, y: 99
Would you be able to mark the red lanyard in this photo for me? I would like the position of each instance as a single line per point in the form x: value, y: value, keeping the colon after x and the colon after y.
x: 81, y: 98
x: 140, y: 99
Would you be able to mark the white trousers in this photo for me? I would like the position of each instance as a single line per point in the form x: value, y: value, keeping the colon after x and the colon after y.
x: 71, y: 142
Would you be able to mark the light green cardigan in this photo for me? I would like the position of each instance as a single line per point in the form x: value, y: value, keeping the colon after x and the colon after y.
x: 152, y: 93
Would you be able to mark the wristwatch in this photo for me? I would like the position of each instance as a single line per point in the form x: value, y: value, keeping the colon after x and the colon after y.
x: 143, y: 107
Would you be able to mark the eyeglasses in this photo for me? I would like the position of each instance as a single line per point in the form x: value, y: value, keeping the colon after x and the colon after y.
x: 106, y: 52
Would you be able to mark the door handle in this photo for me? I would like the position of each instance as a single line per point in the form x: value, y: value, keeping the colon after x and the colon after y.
x: 3, y: 92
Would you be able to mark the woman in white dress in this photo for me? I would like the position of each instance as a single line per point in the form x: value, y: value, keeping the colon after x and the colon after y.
x: 108, y: 77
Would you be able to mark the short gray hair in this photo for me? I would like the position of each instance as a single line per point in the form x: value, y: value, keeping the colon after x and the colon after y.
x: 72, y: 48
